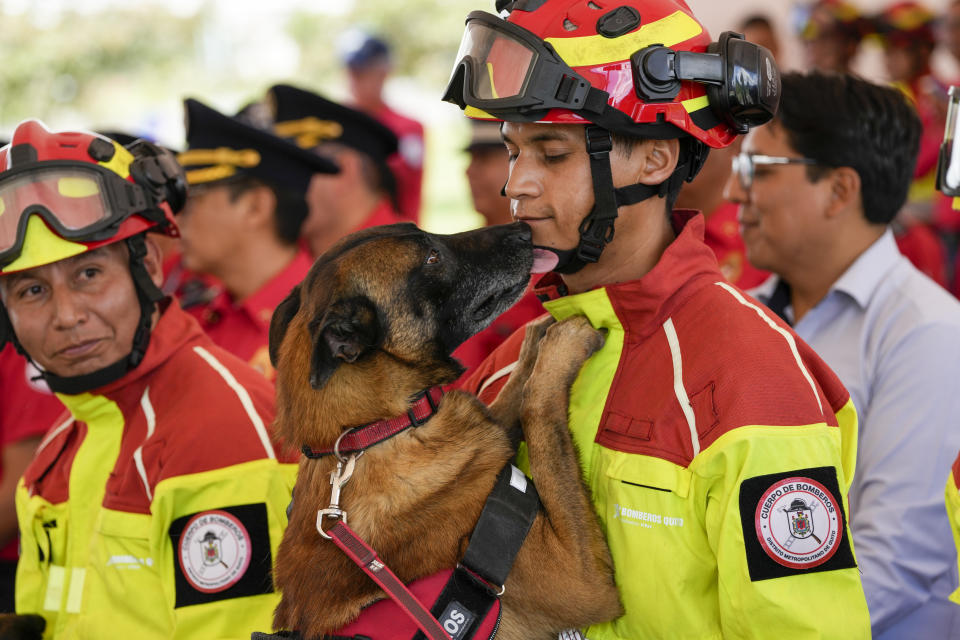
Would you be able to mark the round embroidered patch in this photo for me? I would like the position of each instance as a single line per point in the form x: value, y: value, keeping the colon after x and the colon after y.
x: 798, y: 523
x: 214, y: 551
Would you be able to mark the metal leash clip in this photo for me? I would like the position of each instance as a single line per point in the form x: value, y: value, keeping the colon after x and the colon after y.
x: 338, y: 478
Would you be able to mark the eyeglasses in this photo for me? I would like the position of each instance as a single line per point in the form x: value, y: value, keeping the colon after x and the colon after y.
x: 744, y: 165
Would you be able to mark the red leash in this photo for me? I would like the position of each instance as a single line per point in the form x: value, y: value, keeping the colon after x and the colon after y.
x: 349, y: 542
x: 367, y: 559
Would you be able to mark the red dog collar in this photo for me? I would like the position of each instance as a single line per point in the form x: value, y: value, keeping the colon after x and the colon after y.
x: 422, y: 408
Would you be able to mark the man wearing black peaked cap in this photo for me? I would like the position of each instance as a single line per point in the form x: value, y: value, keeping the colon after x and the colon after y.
x: 362, y: 195
x: 241, y: 224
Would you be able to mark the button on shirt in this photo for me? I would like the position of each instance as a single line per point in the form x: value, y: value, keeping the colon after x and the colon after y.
x: 893, y: 337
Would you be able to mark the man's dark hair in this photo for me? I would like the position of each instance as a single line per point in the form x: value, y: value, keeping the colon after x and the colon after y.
x: 290, y: 212
x: 841, y: 120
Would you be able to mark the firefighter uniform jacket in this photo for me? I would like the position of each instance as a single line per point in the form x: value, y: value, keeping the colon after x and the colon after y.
x: 953, y: 512
x: 156, y: 509
x: 719, y: 450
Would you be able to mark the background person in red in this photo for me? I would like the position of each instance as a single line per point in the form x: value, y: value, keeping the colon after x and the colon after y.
x: 831, y: 32
x: 359, y: 195
x: 906, y: 31
x: 241, y: 225
x: 367, y: 59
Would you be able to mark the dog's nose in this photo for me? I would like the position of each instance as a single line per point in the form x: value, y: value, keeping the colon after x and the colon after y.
x: 519, y: 234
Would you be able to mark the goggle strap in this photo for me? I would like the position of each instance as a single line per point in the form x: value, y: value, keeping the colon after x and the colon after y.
x: 596, y: 101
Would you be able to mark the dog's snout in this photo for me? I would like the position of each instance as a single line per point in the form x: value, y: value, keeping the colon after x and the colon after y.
x: 519, y: 234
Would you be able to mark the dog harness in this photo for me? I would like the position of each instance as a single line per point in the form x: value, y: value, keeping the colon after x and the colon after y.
x: 465, y: 601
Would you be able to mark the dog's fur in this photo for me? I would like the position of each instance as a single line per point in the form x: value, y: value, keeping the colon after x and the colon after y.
x: 373, y: 323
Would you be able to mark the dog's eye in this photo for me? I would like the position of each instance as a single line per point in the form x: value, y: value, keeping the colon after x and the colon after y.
x: 433, y: 257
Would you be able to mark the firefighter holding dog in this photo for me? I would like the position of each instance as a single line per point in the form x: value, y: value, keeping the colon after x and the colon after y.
x: 719, y: 448
x: 155, y: 509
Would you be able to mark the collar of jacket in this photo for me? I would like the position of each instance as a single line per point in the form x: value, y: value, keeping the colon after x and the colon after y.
x: 642, y: 305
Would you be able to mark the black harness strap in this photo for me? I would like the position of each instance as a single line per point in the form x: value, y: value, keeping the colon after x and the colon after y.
x: 502, y: 528
x: 476, y: 584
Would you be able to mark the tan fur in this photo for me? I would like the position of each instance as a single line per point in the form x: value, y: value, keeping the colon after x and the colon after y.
x: 415, y: 498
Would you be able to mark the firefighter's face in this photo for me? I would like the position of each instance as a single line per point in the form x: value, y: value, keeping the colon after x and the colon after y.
x: 78, y: 315
x: 550, y: 183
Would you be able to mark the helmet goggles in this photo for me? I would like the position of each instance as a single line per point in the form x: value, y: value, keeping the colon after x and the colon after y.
x: 508, y: 71
x: 78, y: 200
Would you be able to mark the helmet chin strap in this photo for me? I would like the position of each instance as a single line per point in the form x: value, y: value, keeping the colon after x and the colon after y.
x: 148, y: 295
x: 596, y: 229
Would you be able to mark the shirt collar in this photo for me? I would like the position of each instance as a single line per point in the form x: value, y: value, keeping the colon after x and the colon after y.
x: 651, y: 298
x: 859, y: 281
x: 862, y: 278
x: 261, y: 304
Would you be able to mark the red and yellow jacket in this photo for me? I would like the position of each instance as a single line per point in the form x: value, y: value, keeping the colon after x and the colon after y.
x: 953, y: 511
x: 719, y: 449
x: 155, y: 510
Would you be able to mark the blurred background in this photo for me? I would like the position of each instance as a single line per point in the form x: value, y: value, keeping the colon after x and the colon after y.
x: 117, y: 65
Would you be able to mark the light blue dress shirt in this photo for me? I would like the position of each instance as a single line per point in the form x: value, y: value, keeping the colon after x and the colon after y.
x: 892, y: 336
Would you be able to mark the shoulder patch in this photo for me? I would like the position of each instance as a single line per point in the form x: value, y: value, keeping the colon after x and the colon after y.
x: 221, y: 554
x: 794, y: 522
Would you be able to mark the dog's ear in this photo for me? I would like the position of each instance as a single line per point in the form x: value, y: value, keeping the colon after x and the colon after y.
x: 282, y: 316
x: 349, y: 329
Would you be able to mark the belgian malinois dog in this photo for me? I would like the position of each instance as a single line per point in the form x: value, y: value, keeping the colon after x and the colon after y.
x: 374, y: 323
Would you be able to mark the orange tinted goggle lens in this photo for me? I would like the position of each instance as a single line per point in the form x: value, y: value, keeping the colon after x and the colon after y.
x: 500, y: 64
x: 73, y: 197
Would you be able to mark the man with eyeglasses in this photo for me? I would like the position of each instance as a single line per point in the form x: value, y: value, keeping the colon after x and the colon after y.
x: 818, y: 189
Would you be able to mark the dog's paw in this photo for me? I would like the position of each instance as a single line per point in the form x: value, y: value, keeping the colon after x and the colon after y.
x: 533, y: 335
x: 565, y: 347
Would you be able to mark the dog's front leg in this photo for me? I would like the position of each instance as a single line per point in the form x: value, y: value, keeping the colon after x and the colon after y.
x: 505, y: 409
x: 567, y: 535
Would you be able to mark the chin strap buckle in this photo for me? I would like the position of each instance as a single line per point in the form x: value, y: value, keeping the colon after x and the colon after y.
x: 596, y: 230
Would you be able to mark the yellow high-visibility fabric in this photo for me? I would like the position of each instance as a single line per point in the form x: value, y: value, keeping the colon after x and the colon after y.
x: 953, y: 513
x: 127, y: 585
